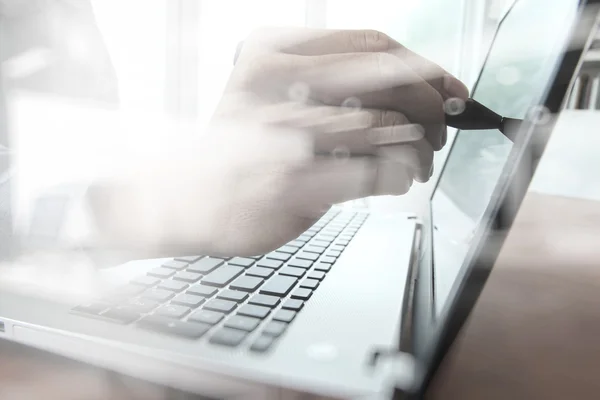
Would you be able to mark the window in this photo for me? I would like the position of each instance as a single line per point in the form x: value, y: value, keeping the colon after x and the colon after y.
x: 222, y: 25
x: 135, y: 34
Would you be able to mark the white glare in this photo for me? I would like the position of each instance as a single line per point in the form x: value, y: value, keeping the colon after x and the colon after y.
x: 454, y: 106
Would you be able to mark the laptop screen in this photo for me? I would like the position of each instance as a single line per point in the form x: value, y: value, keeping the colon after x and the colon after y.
x: 520, y: 63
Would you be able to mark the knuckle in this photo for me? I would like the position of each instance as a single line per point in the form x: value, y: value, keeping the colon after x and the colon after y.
x: 391, y: 118
x: 418, y: 132
x: 387, y: 67
x: 370, y: 40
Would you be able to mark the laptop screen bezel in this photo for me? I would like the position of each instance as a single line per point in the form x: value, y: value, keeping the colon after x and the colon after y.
x: 432, y: 339
x: 7, y: 242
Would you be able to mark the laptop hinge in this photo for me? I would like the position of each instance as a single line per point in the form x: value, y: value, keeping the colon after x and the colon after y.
x: 397, y: 362
x: 401, y: 372
x: 405, y: 342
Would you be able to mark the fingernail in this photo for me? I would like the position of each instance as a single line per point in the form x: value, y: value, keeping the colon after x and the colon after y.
x: 455, y: 88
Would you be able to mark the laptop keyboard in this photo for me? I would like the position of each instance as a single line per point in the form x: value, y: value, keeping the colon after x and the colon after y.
x: 231, y: 301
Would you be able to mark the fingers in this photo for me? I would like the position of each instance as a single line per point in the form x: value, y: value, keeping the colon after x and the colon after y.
x: 413, y: 151
x: 342, y: 132
x: 378, y: 81
x: 327, y: 182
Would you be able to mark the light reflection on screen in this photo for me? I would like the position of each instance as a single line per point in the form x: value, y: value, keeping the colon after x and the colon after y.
x: 514, y: 78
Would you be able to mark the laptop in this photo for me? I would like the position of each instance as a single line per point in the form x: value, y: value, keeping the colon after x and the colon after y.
x: 365, y: 303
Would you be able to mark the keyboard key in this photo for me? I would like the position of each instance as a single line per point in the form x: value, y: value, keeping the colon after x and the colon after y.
x: 142, y: 305
x: 124, y: 293
x: 247, y: 283
x: 295, y: 305
x: 288, y: 249
x: 304, y: 238
x: 174, y: 286
x: 327, y: 236
x: 275, y: 328
x: 264, y: 300
x: 228, y: 337
x: 241, y: 262
x: 321, y: 242
x: 189, y: 330
x: 346, y: 236
x: 177, y: 265
x: 302, y: 294
x: 326, y: 259
x: 296, y: 262
x: 279, y: 256
x: 291, y: 271
x: 279, y: 285
x: 247, y: 324
x: 298, y: 243
x: 309, y: 284
x: 322, y: 267
x: 333, y: 253
x: 233, y: 295
x: 273, y: 264
x: 189, y: 259
x: 318, y: 275
x: 91, y: 308
x: 121, y: 315
x: 284, y: 315
x: 188, y: 300
x: 343, y: 242
x: 160, y: 295
x: 262, y: 344
x: 224, y: 306
x: 161, y: 272
x: 172, y: 311
x: 261, y: 272
x: 205, y: 265
x: 337, y: 225
x: 254, y: 311
x: 189, y: 277
x: 146, y: 281
x: 207, y: 316
x: 314, y: 249
x: 203, y: 291
x: 308, y: 256
x: 222, y: 276
x: 337, y: 247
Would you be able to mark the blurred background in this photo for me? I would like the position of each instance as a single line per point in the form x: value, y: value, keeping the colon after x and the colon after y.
x: 174, y: 56
x: 70, y: 63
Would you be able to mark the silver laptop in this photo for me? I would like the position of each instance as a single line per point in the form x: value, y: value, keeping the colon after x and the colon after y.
x: 365, y: 303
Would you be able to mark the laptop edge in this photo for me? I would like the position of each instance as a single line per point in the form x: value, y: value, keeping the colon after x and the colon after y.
x: 431, y: 342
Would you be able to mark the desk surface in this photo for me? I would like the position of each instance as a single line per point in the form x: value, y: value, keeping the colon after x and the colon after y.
x: 534, y: 334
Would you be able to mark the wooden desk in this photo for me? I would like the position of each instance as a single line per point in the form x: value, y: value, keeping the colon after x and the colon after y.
x: 535, y: 332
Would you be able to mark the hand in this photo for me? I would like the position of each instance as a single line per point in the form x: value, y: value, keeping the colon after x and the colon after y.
x: 369, y: 108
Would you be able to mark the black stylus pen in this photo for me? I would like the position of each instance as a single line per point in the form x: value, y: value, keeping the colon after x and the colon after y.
x: 473, y: 115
